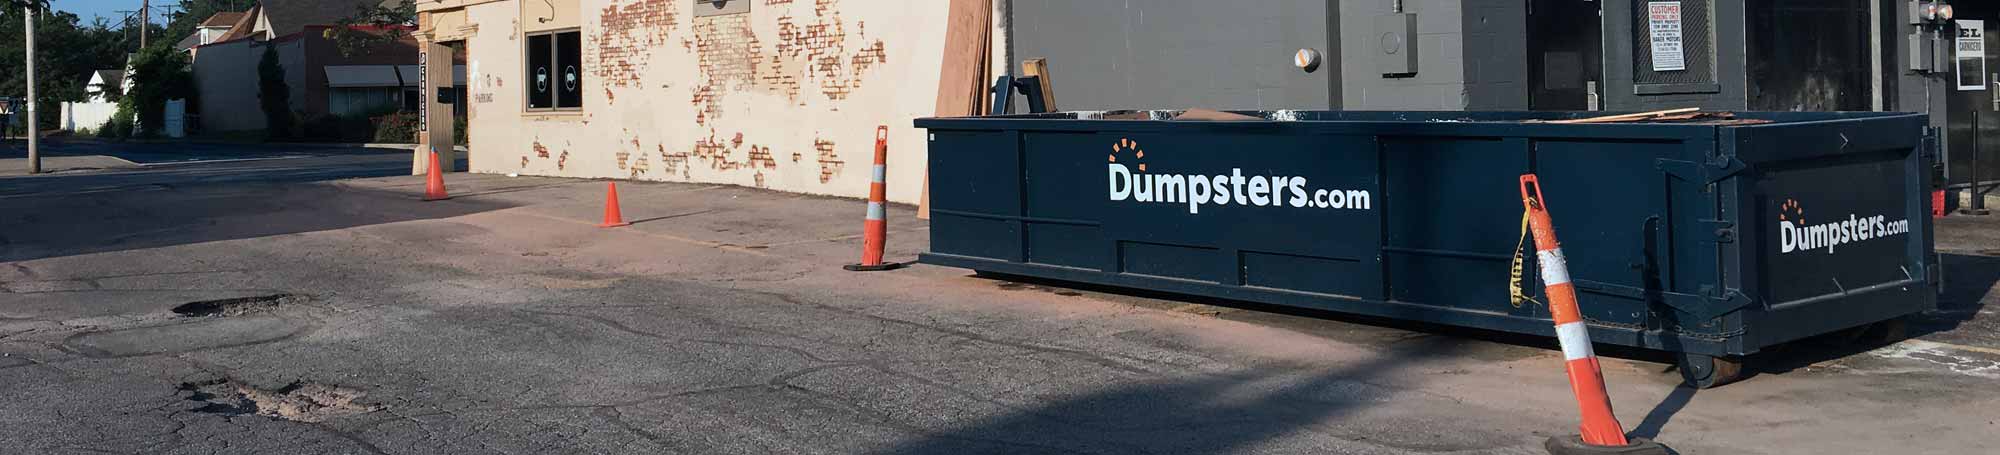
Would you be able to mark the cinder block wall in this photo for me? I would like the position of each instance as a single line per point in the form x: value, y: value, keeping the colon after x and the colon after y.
x: 785, y: 97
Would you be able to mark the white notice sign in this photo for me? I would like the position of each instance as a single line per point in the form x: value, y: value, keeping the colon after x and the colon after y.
x: 1971, y: 45
x: 1664, y: 20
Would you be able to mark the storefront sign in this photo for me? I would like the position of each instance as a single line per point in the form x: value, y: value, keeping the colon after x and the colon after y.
x: 423, y: 91
x: 1971, y: 45
x: 1664, y: 20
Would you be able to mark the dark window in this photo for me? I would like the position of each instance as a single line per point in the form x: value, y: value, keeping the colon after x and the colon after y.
x: 541, y: 75
x: 569, y: 64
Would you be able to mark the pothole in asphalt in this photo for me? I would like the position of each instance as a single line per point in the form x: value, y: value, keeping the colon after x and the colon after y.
x: 236, y: 306
x: 299, y: 401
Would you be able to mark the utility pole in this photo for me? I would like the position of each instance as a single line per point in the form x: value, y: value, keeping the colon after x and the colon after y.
x: 145, y: 16
x: 34, y: 141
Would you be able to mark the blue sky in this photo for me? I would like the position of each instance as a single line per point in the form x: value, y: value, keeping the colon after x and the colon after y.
x: 108, y: 9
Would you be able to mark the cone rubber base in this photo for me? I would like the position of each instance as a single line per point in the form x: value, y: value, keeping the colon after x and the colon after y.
x: 1574, y: 445
x: 874, y: 268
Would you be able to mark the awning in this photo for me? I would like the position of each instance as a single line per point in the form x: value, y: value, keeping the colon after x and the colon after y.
x: 353, y: 76
x: 339, y: 76
x: 410, y: 74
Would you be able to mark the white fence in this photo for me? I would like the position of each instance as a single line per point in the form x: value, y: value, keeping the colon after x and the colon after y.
x: 93, y: 115
x: 86, y: 115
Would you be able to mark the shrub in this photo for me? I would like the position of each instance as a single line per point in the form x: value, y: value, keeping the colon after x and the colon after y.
x: 398, y: 128
x: 159, y: 74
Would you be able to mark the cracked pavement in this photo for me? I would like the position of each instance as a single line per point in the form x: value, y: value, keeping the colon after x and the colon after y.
x: 503, y: 321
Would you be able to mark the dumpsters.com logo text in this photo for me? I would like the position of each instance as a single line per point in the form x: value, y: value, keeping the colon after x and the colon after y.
x: 1795, y: 234
x: 1196, y: 190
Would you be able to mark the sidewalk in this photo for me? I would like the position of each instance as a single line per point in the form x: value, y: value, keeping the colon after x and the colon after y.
x: 19, y: 166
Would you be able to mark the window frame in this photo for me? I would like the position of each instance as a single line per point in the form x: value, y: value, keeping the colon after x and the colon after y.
x: 555, y: 64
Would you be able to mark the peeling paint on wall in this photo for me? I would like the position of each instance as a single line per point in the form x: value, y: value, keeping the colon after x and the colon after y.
x: 628, y: 31
x: 720, y: 98
x: 829, y: 161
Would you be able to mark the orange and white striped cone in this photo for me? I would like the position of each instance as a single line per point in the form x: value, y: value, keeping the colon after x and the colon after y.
x: 1600, y: 429
x: 875, y: 229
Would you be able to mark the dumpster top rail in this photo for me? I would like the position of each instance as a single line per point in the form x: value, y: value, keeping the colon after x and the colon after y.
x: 1290, y: 115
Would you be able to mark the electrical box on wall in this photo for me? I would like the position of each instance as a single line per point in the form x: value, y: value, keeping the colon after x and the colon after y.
x: 1922, y: 59
x: 1396, y: 45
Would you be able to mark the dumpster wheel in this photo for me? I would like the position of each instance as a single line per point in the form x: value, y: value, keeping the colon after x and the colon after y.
x: 1707, y: 371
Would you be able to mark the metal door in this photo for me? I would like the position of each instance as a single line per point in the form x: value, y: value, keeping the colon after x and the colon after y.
x: 1180, y: 54
x: 1565, y: 55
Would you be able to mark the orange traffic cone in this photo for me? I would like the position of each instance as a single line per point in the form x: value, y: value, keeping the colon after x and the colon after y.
x: 434, y: 180
x: 875, y: 228
x: 1600, y: 429
x: 612, y: 216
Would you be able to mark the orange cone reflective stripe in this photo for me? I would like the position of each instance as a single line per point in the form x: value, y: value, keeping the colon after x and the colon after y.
x: 1600, y: 427
x: 875, y: 229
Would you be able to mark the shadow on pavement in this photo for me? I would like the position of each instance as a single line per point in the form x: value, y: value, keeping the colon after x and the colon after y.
x: 64, y: 215
x: 1966, y: 282
x: 1213, y: 414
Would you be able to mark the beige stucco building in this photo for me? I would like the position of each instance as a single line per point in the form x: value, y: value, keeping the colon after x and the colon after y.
x: 779, y: 94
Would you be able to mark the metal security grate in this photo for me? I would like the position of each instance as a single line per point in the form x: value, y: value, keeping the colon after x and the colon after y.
x: 1697, y: 44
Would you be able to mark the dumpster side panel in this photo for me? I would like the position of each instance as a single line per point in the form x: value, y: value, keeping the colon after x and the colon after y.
x: 1621, y: 214
x: 1064, y: 216
x: 1291, y: 211
x: 1454, y: 221
x: 1835, y: 221
x: 975, y: 193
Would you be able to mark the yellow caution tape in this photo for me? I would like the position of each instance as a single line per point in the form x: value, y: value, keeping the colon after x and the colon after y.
x: 1514, y: 294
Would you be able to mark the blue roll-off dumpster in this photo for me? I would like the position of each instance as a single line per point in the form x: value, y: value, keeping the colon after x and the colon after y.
x: 1713, y: 238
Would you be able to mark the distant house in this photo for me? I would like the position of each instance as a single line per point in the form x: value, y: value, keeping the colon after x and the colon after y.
x: 211, y: 30
x: 100, y: 79
x: 322, y: 81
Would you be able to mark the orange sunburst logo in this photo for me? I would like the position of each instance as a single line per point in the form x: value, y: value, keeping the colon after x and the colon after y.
x: 1791, y: 211
x: 1124, y: 145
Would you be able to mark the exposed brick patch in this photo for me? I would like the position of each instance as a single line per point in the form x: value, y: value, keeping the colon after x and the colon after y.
x: 760, y: 157
x: 630, y: 29
x: 829, y: 160
x: 623, y: 156
x: 562, y: 161
x: 524, y: 161
x: 674, y: 162
x: 727, y: 53
x: 641, y: 165
x: 541, y: 151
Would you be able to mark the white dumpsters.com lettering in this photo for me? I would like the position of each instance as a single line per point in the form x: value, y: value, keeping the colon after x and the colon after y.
x: 1792, y: 237
x: 1234, y: 188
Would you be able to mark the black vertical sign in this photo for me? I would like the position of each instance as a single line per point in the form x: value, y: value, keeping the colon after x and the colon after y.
x: 423, y: 91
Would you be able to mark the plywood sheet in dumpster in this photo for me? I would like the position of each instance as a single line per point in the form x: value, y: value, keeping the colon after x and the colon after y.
x: 1250, y: 209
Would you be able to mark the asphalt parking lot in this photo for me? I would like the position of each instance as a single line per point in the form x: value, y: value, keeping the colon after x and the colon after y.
x: 313, y: 305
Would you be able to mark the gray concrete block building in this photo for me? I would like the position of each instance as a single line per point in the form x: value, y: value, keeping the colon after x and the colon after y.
x: 1612, y: 55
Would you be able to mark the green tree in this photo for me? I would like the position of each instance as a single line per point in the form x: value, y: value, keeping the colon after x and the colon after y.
x: 371, y: 26
x: 67, y: 53
x: 274, y: 95
x: 159, y: 74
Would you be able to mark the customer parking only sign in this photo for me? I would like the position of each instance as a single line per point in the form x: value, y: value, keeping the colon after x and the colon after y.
x: 1971, y: 45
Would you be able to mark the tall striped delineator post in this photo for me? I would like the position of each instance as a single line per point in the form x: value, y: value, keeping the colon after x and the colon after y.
x: 875, y: 229
x: 1601, y: 432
